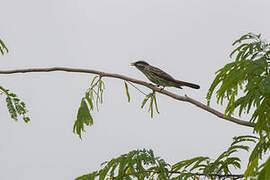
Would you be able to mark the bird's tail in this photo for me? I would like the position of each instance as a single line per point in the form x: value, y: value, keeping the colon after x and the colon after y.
x: 191, y: 85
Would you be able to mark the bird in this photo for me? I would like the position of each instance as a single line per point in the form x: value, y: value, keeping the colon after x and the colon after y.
x: 161, y: 78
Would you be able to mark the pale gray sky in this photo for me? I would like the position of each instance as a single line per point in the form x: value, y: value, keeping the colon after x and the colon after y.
x: 190, y: 39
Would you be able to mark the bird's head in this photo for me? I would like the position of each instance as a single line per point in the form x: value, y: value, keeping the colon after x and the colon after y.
x: 140, y: 64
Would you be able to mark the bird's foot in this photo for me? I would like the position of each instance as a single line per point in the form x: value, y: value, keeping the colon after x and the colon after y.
x: 152, y: 85
x: 161, y: 88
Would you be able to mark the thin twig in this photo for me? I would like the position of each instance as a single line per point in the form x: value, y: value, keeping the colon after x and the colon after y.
x: 143, y: 83
x: 136, y: 88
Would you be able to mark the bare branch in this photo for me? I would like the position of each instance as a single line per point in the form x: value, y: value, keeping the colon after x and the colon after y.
x: 143, y: 83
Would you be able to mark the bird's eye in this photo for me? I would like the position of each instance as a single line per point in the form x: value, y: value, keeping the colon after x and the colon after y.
x: 140, y: 66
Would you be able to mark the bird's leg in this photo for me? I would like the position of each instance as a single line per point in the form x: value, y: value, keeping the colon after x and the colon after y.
x: 151, y: 84
x: 162, y: 88
x: 157, y: 85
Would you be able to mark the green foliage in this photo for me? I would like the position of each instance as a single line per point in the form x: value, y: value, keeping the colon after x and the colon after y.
x: 142, y: 164
x: 84, y: 116
x: 188, y: 168
x: 90, y: 176
x: 15, y: 105
x: 94, y: 97
x: 221, y: 166
x: 132, y: 165
x: 153, y: 101
x: 257, y: 154
x: 248, y: 74
x: 3, y: 47
x: 265, y: 172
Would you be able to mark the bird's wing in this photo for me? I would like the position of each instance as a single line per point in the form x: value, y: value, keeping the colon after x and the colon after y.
x: 158, y: 72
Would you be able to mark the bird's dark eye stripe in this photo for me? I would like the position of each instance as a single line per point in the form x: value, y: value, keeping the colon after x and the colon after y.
x: 141, y: 63
x: 140, y: 66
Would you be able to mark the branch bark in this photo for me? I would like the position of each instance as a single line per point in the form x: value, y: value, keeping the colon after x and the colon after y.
x: 143, y: 83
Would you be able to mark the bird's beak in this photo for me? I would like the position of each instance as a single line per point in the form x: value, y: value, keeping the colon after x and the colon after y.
x: 132, y: 64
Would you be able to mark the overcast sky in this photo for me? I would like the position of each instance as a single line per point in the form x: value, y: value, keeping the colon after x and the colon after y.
x: 191, y: 39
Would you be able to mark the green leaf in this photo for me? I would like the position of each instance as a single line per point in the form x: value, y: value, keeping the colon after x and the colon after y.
x: 26, y: 119
x: 16, y: 107
x: 1, y: 50
x: 89, y: 100
x: 83, y: 118
x: 183, y: 165
x: 127, y: 92
x: 11, y: 108
x: 146, y: 99
x: 237, y: 49
x: 265, y: 173
x: 90, y: 176
x: 92, y: 83
x: 155, y: 101
x: 3, y: 47
x: 151, y: 106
